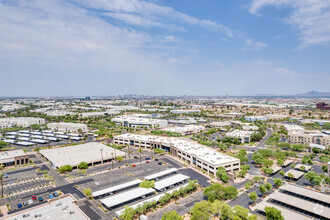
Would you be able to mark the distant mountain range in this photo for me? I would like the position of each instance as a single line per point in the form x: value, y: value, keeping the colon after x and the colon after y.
x: 308, y: 94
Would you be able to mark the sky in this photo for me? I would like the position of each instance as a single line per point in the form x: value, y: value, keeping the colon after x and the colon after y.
x: 163, y: 47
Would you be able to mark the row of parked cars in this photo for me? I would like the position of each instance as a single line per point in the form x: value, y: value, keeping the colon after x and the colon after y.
x: 34, y: 198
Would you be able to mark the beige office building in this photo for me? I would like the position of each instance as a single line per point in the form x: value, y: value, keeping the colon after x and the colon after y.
x: 307, y: 137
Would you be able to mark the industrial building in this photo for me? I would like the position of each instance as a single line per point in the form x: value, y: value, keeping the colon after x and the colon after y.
x: 67, y: 127
x: 91, y: 153
x: 186, y: 130
x: 193, y: 153
x: 135, y: 121
x: 14, y: 158
x: 256, y: 118
x: 21, y: 122
x: 185, y: 111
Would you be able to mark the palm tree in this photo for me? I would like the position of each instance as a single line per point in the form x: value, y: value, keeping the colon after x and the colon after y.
x: 1, y: 178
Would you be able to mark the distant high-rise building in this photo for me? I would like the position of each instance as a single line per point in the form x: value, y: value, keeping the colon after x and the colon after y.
x: 88, y: 98
x: 323, y: 106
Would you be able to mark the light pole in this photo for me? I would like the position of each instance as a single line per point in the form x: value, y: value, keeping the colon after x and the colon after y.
x: 101, y: 156
x: 112, y: 160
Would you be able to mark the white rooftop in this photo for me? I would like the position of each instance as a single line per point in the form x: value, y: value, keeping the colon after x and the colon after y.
x: 126, y: 196
x: 159, y: 185
x: 60, y: 209
x: 162, y: 173
x: 73, y: 155
x: 193, y: 148
x: 115, y: 188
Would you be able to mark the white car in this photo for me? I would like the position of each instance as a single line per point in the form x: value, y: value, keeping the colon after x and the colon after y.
x: 97, y: 183
x: 30, y: 201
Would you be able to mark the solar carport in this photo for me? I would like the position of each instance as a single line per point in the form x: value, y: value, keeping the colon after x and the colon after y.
x: 125, y: 197
x: 107, y: 191
x: 161, y: 174
x: 171, y: 181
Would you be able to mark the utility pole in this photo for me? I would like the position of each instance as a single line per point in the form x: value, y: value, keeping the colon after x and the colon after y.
x: 126, y: 158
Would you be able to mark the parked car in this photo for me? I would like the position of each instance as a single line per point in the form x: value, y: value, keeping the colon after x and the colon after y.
x: 5, y: 175
x: 25, y: 203
x: 30, y: 201
x: 40, y: 199
x: 148, y: 158
x: 136, y: 157
x: 156, y: 159
x: 19, y: 205
x: 34, y: 197
x: 133, y: 165
x: 55, y: 194
x: 147, y: 162
x: 160, y: 163
x: 51, y: 196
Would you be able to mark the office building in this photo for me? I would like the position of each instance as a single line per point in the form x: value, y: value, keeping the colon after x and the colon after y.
x: 186, y: 130
x: 243, y: 136
x: 14, y: 158
x: 136, y: 121
x: 193, y: 153
x: 308, y: 137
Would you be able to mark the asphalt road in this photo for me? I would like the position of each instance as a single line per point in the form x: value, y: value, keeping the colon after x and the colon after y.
x: 261, y: 144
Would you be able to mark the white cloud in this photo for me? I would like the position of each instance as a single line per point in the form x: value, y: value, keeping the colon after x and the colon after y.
x: 136, y: 11
x: 311, y: 18
x: 254, y: 45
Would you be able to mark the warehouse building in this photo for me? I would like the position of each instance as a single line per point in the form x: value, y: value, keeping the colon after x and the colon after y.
x: 21, y: 121
x: 256, y: 118
x: 67, y: 127
x: 91, y: 153
x: 135, y: 121
x: 14, y: 158
x: 193, y: 153
x: 186, y: 130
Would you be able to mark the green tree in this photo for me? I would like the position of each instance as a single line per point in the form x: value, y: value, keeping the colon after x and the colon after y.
x: 217, y: 191
x: 269, y: 186
x: 262, y: 189
x: 278, y: 182
x: 201, y: 210
x: 222, y: 174
x: 247, y: 185
x: 147, y: 184
x: 119, y: 158
x: 3, y: 144
x: 273, y: 213
x: 291, y: 176
x: 87, y: 191
x: 171, y: 216
x: 253, y: 196
x: 241, y: 212
x: 83, y: 165
x: 128, y: 213
x: 324, y: 168
x: 282, y: 173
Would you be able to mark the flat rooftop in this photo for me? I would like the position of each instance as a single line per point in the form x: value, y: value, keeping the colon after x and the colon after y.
x: 159, y: 185
x: 58, y: 209
x: 202, y: 152
x: 160, y: 174
x: 115, y: 188
x: 297, y: 174
x: 5, y: 155
x: 73, y: 155
x: 126, y: 196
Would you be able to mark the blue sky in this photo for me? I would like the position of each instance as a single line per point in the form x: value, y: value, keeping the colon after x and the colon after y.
x: 159, y: 47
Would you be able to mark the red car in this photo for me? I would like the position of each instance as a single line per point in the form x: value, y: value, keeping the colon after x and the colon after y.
x: 133, y: 165
x: 147, y: 162
x: 34, y: 197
